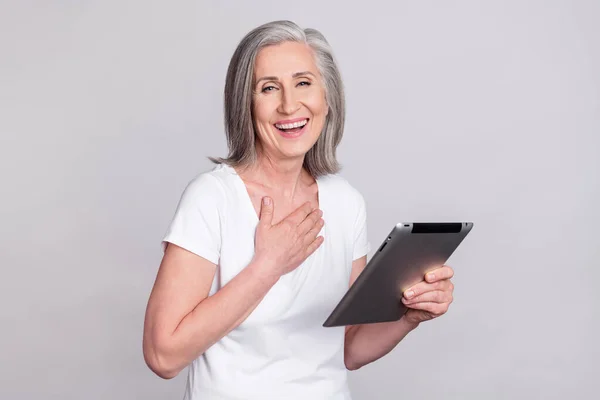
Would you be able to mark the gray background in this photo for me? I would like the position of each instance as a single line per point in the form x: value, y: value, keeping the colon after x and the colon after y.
x: 457, y: 110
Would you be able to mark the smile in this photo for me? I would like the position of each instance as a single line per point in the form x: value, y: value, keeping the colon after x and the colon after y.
x: 291, y: 125
x: 291, y: 128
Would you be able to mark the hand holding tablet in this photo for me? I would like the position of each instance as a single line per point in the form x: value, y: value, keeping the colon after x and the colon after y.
x: 402, y: 262
x: 431, y: 298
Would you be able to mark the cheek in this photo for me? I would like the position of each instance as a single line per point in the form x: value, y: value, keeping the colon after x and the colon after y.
x: 318, y: 106
x: 262, y: 111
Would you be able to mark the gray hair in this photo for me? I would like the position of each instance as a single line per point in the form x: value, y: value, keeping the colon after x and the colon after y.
x: 239, y: 124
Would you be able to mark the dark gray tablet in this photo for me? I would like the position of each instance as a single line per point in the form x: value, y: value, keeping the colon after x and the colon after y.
x: 402, y: 260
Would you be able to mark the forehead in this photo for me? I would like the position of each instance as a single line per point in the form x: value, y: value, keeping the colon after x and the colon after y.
x: 284, y: 59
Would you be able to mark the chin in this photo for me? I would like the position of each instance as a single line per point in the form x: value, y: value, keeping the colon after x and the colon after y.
x: 297, y: 149
x: 297, y: 152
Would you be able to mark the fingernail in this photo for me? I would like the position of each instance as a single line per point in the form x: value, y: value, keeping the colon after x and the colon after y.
x: 431, y: 277
x: 267, y: 201
x: 410, y: 294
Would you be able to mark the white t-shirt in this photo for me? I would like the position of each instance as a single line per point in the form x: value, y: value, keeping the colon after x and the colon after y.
x: 281, y: 351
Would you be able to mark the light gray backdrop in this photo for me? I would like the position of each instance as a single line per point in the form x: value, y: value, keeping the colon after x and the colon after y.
x: 457, y: 110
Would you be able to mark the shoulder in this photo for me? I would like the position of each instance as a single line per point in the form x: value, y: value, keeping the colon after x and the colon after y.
x: 345, y: 194
x: 209, y: 186
x: 341, y: 187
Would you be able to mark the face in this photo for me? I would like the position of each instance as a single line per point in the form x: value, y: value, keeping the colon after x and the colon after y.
x: 289, y: 100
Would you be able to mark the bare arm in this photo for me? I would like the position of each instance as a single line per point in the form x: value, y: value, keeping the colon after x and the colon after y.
x: 182, y: 322
x: 369, y: 342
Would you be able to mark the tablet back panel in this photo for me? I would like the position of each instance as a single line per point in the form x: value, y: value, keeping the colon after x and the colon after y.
x: 402, y: 260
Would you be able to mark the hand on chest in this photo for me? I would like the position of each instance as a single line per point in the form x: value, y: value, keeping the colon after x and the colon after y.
x: 283, y: 205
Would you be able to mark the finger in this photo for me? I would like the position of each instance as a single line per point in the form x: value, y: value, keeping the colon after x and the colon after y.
x: 424, y: 287
x: 310, y: 222
x: 314, y: 231
x: 299, y: 214
x: 266, y: 211
x: 314, y: 245
x: 444, y: 272
x: 436, y: 296
x: 433, y: 308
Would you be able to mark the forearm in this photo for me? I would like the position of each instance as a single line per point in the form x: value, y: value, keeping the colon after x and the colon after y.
x: 216, y: 316
x: 369, y: 342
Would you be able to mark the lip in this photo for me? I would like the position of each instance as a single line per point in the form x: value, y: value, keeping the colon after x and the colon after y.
x: 291, y: 121
x: 292, y: 135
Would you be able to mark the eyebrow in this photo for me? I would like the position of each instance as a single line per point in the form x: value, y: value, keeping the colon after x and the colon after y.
x: 295, y: 75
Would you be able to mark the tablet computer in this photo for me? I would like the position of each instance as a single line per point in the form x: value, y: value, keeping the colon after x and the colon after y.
x: 401, y: 261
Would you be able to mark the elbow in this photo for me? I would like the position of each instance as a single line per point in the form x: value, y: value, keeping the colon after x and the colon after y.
x: 350, y: 362
x: 164, y: 373
x: 159, y: 367
x: 351, y: 366
x: 159, y: 364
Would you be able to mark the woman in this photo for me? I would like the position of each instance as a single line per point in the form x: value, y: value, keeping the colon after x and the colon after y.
x: 250, y: 269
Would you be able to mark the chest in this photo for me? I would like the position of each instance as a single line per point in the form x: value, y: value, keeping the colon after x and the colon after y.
x: 308, y: 293
x: 282, y: 206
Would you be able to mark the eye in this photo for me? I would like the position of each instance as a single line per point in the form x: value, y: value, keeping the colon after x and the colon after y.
x: 268, y: 89
x: 304, y: 83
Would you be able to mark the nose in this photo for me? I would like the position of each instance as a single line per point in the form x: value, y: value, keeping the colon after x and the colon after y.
x: 289, y: 104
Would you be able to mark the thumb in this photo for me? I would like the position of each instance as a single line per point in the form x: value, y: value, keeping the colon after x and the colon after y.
x: 266, y: 211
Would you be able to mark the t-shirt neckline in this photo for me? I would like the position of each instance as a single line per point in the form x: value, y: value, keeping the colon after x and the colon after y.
x: 241, y: 186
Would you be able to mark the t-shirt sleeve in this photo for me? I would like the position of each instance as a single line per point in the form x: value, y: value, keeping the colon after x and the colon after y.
x: 361, y: 241
x: 196, y: 225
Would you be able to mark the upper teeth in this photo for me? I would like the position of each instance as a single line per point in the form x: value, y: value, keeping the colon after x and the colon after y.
x: 297, y: 124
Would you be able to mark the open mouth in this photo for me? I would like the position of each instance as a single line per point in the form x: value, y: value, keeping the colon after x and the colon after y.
x: 292, y: 127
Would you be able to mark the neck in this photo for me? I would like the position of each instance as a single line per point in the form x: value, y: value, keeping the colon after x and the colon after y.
x: 283, y: 176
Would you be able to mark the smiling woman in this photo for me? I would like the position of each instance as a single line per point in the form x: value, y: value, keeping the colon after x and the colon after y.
x: 250, y: 269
